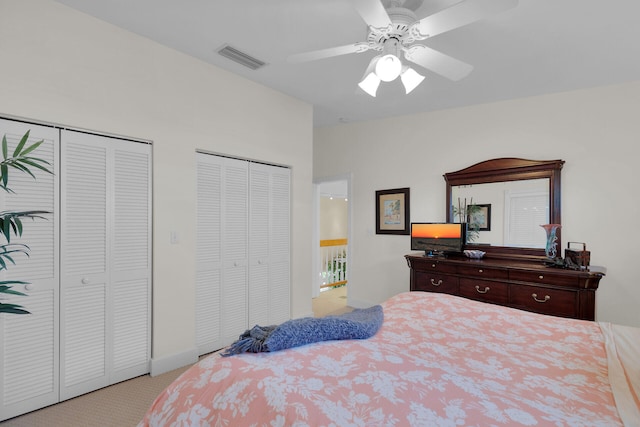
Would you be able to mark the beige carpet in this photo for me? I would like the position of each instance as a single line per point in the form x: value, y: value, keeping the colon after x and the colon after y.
x: 333, y: 301
x: 120, y: 405
x: 124, y: 404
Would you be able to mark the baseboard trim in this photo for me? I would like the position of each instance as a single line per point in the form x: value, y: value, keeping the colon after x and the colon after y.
x: 169, y: 363
x: 304, y: 315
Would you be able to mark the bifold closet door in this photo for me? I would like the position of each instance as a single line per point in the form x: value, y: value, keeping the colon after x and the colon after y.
x: 105, y: 261
x: 269, y: 237
x: 29, y: 342
x: 221, y: 250
x: 243, y: 248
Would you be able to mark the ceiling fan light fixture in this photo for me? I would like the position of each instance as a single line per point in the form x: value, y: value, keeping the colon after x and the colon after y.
x: 388, y: 68
x: 410, y: 79
x: 370, y: 84
x: 370, y: 81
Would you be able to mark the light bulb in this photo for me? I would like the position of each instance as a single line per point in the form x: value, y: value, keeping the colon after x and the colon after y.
x: 388, y: 68
x: 370, y: 81
x: 410, y: 79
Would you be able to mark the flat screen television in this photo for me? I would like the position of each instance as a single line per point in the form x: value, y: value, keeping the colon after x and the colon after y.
x: 437, y: 238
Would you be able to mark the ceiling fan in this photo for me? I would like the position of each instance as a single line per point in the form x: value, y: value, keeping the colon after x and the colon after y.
x: 394, y: 30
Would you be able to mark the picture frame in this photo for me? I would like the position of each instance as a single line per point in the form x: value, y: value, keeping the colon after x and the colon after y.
x: 482, y: 217
x: 392, y: 211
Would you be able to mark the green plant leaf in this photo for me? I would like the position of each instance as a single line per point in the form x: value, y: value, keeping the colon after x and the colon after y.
x: 37, y: 163
x: 8, y: 190
x: 12, y: 309
x: 6, y: 229
x: 30, y: 148
x: 26, y: 169
x: 4, y: 147
x: 21, y: 144
x: 17, y: 228
x: 12, y: 282
x: 17, y: 165
x: 4, y: 171
x: 7, y: 290
x: 8, y: 257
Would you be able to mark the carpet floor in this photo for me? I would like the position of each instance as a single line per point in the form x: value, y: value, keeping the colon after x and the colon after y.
x: 119, y: 405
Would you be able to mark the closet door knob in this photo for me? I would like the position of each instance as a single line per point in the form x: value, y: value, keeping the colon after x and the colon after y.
x: 85, y: 281
x: 29, y: 287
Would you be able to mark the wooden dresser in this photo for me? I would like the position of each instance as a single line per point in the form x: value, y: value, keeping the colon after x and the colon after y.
x: 524, y: 284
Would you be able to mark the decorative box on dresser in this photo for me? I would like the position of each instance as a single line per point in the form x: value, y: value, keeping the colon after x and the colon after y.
x: 524, y: 284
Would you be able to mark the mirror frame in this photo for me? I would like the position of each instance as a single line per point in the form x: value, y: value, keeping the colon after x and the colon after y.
x: 510, y: 169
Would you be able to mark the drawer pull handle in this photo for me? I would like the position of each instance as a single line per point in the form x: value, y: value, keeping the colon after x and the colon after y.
x: 486, y: 289
x: 436, y: 284
x: 536, y: 299
x: 480, y: 271
x: 433, y: 266
x: 541, y: 277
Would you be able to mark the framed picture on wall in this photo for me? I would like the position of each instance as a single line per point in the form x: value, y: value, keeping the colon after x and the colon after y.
x: 392, y: 211
x: 481, y: 217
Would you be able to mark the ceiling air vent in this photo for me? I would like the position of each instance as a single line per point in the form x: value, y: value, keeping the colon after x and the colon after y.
x: 241, y: 57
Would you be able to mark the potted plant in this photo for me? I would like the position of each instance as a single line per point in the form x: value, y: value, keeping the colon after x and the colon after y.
x: 467, y: 213
x: 11, y: 221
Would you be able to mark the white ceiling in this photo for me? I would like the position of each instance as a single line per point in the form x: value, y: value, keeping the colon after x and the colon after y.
x: 539, y: 47
x: 337, y: 189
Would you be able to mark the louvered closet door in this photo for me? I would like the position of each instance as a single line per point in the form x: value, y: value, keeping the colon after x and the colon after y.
x: 269, y: 284
x: 221, y: 278
x: 131, y: 259
x: 29, y: 343
x: 105, y: 261
x: 209, y: 253
x: 279, y: 245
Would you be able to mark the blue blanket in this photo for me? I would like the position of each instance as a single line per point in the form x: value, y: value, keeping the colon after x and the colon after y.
x: 358, y: 324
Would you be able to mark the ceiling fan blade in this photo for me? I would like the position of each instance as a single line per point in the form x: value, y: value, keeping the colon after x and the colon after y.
x: 438, y: 62
x: 373, y: 13
x: 461, y: 14
x: 329, y: 52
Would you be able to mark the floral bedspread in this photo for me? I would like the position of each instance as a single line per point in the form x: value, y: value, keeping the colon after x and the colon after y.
x: 438, y: 360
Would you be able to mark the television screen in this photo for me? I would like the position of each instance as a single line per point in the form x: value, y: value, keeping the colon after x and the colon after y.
x: 437, y: 238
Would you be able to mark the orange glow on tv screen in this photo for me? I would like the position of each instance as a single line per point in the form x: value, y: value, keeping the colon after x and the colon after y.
x: 438, y: 238
x: 436, y: 231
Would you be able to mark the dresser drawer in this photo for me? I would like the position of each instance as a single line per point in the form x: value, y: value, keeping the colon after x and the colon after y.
x: 484, y: 290
x: 430, y: 282
x: 482, y: 272
x: 545, y: 277
x: 543, y: 300
x: 436, y: 266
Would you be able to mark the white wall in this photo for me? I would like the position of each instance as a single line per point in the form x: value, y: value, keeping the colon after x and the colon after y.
x: 333, y: 218
x: 595, y: 131
x: 64, y: 67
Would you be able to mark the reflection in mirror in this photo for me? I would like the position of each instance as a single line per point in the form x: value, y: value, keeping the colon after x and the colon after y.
x: 513, y: 202
x: 516, y: 209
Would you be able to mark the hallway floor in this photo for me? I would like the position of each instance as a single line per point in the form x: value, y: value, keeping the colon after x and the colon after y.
x: 331, y: 302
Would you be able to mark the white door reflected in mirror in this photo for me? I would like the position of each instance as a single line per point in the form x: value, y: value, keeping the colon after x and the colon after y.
x: 517, y: 210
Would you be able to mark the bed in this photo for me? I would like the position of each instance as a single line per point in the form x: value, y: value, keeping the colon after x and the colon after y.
x: 437, y: 360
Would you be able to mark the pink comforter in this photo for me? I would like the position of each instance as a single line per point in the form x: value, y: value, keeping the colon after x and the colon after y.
x: 438, y: 360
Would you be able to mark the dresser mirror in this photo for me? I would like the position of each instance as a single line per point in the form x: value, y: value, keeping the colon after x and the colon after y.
x: 511, y: 197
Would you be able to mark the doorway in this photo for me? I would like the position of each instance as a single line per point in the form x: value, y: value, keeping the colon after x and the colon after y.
x: 332, y: 246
